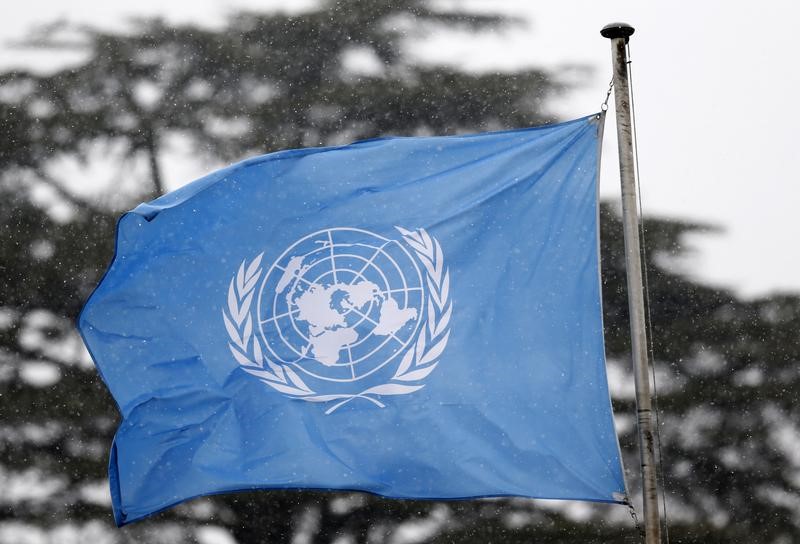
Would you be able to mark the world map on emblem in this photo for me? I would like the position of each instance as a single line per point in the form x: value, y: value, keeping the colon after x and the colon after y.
x: 340, y: 304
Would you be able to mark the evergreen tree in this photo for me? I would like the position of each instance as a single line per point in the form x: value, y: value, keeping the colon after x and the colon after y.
x: 726, y: 367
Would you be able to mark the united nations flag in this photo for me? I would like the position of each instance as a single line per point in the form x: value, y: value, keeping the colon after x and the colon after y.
x: 412, y: 317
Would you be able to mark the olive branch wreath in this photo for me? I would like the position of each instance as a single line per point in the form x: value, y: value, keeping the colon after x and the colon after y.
x: 417, y: 363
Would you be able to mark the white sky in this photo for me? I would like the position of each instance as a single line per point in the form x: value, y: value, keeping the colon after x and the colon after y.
x: 715, y: 86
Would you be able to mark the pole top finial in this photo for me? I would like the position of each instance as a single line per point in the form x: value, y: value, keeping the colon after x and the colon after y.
x: 617, y: 30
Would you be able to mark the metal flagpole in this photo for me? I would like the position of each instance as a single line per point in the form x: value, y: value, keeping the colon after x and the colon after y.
x: 619, y: 33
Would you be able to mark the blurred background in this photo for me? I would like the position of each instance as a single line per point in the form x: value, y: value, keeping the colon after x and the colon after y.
x: 105, y: 105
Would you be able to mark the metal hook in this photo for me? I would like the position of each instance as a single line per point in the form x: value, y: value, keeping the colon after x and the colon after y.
x: 604, y: 105
x: 635, y: 518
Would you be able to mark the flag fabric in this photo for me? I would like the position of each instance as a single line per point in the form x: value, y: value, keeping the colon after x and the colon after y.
x: 411, y: 317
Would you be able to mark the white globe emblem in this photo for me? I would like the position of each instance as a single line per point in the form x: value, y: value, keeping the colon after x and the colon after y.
x: 341, y: 303
x: 342, y: 314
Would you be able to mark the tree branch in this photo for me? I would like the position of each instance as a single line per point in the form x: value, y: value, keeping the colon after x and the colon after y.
x: 152, y: 158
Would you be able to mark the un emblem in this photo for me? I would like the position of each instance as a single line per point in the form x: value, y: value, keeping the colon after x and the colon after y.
x: 342, y: 314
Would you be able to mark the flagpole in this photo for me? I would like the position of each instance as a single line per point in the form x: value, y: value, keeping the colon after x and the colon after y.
x: 619, y: 33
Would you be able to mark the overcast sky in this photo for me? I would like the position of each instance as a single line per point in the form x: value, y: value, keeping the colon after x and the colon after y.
x: 715, y: 85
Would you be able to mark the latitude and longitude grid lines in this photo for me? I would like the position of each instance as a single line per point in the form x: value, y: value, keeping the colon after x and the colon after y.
x: 329, y: 244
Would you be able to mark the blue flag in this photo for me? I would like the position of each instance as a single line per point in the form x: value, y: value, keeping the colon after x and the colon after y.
x: 411, y: 317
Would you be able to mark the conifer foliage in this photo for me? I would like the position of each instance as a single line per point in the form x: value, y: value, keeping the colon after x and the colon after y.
x: 727, y: 368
